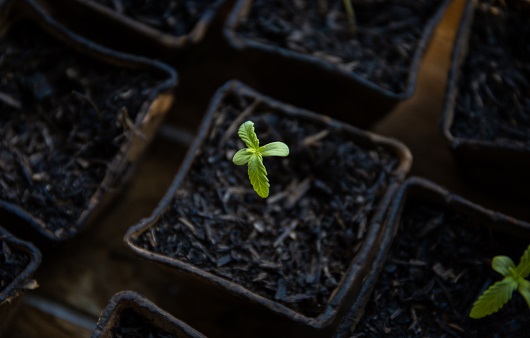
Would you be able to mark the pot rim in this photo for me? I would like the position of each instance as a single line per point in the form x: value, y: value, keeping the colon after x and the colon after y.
x: 418, y: 186
x: 167, y: 40
x: 124, y: 299
x: 20, y: 282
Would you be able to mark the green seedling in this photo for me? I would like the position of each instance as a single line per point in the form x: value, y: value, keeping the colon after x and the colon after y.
x: 350, y: 13
x: 253, y: 156
x: 501, y: 292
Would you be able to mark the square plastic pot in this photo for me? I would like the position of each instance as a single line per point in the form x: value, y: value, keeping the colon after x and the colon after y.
x: 264, y: 110
x: 137, y: 114
x: 439, y: 264
x: 315, y: 83
x: 130, y: 313
x: 492, y: 165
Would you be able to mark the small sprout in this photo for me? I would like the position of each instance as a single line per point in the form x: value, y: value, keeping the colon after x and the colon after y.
x: 253, y: 156
x: 350, y: 13
x: 501, y: 292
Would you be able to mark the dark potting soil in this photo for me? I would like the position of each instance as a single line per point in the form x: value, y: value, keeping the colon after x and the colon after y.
x: 295, y: 246
x: 131, y: 324
x: 61, y: 123
x: 12, y: 263
x: 439, y: 264
x: 176, y: 17
x: 493, y: 101
x: 388, y: 33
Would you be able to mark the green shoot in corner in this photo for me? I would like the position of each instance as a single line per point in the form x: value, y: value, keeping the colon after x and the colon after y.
x: 253, y: 156
x: 501, y: 292
x: 350, y: 14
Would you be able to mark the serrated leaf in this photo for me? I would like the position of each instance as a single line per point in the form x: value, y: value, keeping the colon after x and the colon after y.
x: 248, y: 135
x: 274, y: 149
x: 242, y: 156
x: 253, y: 156
x: 524, y: 290
x: 523, y: 269
x: 258, y: 176
x: 502, y: 264
x: 494, y: 298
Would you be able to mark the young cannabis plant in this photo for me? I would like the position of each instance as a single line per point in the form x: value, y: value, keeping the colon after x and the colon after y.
x: 253, y: 156
x: 501, y: 292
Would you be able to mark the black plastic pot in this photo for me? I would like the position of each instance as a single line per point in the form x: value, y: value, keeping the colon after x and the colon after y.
x: 499, y: 164
x: 438, y: 265
x: 109, y: 27
x: 262, y: 108
x: 316, y: 84
x: 137, y: 123
x: 129, y: 314
x: 11, y: 294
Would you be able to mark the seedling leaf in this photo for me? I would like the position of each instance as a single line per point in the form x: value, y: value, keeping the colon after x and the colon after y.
x: 274, y: 149
x: 494, y: 298
x: 502, y: 264
x: 247, y: 134
x: 501, y: 292
x: 524, y: 290
x: 258, y: 176
x: 242, y: 156
x: 523, y: 269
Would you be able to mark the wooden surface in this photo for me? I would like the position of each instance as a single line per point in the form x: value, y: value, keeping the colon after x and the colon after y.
x: 417, y: 124
x: 78, y: 278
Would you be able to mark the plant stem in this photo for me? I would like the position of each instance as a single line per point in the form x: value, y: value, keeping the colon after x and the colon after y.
x: 350, y: 13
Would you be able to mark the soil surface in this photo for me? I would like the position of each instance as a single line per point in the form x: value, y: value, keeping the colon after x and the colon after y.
x: 63, y: 118
x: 439, y: 264
x: 295, y: 246
x: 12, y: 262
x: 493, y: 102
x: 381, y: 50
x: 131, y: 324
x: 176, y: 17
